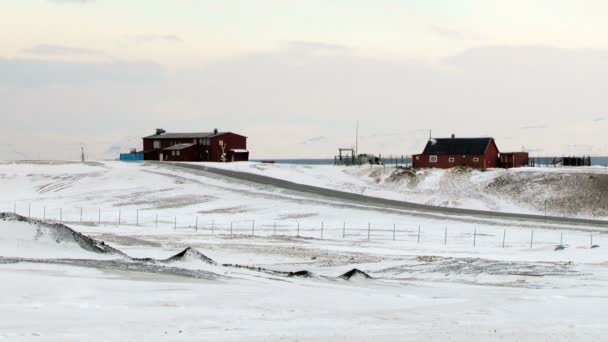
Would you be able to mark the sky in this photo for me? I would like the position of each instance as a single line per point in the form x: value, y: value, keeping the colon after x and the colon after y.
x: 295, y: 76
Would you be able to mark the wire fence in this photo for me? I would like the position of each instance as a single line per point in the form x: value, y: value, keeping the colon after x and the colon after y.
x: 468, y: 235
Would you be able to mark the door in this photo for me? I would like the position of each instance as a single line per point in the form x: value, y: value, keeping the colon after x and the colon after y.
x: 161, y: 157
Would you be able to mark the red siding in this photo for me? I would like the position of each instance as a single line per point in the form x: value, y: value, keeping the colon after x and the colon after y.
x: 514, y: 159
x: 476, y: 161
x: 198, y: 152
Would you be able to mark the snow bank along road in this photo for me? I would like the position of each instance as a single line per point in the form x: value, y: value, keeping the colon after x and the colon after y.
x: 387, y: 203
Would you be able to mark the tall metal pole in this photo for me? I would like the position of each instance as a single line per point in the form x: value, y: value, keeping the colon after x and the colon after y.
x: 357, y: 141
x: 322, y: 230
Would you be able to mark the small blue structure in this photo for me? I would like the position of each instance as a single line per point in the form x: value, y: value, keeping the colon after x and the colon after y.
x: 133, y: 156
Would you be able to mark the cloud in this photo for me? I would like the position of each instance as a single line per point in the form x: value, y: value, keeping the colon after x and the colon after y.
x: 27, y: 72
x: 541, y: 126
x: 453, y: 34
x: 317, y: 48
x: 71, y: 1
x: 282, y: 98
x: 154, y: 38
x: 61, y: 50
x: 314, y: 140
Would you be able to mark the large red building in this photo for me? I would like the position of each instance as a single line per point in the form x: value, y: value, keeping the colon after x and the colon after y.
x: 212, y: 146
x: 477, y: 153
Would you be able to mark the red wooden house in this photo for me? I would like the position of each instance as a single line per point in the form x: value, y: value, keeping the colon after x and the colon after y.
x: 477, y: 153
x: 213, y: 146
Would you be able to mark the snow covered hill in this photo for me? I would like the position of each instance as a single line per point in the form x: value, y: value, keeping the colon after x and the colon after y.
x: 574, y: 192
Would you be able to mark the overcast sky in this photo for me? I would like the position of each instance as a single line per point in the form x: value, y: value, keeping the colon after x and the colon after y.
x: 295, y: 75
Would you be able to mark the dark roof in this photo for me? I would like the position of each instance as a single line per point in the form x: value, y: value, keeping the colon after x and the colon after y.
x: 178, y: 147
x: 457, y: 145
x: 183, y: 135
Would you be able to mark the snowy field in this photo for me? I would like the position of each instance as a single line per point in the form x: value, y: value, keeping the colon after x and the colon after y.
x: 271, y: 262
x: 566, y: 191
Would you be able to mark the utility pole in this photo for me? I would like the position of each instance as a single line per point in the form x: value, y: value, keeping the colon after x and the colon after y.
x: 357, y: 141
x: 82, y: 153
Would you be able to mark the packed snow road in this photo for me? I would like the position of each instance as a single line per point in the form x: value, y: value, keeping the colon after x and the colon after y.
x: 383, y: 203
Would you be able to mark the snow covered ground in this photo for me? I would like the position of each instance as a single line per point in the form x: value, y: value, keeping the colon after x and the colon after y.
x: 452, y: 281
x: 568, y: 191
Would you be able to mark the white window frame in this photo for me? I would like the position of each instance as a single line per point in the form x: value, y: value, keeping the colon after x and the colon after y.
x: 177, y: 153
x: 475, y: 160
x: 432, y: 159
x: 156, y: 143
x: 451, y: 160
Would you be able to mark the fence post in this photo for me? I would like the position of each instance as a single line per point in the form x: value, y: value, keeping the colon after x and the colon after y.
x: 418, y: 233
x: 591, y: 238
x: 253, y: 228
x: 275, y: 228
x: 175, y: 223
x: 29, y: 210
x: 98, y: 216
x: 344, y: 230
x: 531, y: 237
x: 80, y: 215
x: 504, y: 235
x: 394, y: 228
x: 156, y: 221
x: 445, y: 237
x: 230, y: 228
x: 322, y: 226
x: 137, y: 217
x: 44, y: 214
x: 298, y: 233
x: 119, y: 214
x: 475, y: 237
x: 561, y: 238
x: 369, y: 228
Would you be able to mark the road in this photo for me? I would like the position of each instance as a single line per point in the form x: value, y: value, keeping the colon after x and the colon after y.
x: 383, y: 203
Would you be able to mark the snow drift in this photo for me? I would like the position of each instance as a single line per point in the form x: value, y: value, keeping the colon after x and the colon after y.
x: 23, y: 237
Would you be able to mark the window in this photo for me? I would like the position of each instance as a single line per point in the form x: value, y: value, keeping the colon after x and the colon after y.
x: 221, y: 142
x: 433, y: 159
x: 177, y: 153
x: 172, y: 153
x: 194, y: 141
x: 475, y: 160
x: 451, y: 160
x: 417, y: 157
x: 156, y: 144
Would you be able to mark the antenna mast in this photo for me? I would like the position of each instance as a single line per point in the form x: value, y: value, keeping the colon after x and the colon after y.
x: 357, y: 140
